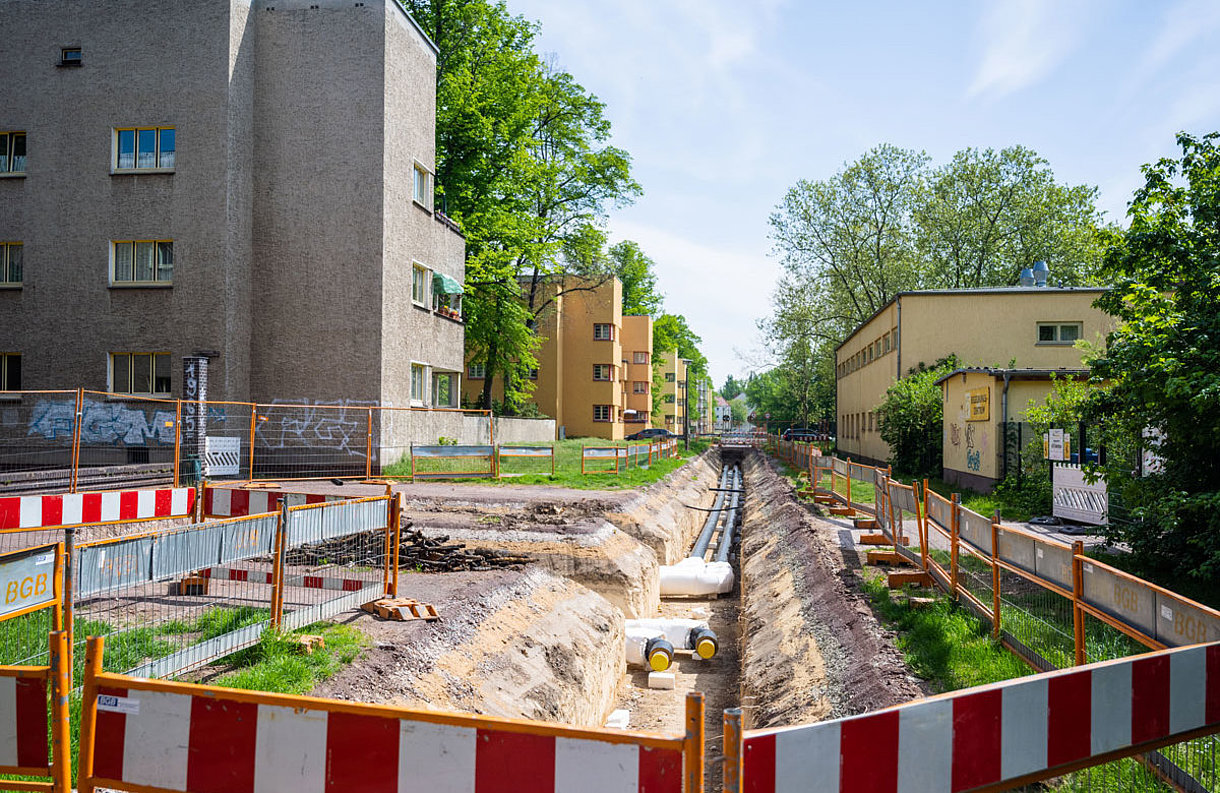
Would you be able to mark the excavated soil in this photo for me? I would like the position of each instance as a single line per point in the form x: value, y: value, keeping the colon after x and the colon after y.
x: 510, y: 643
x: 813, y: 649
x: 661, y: 516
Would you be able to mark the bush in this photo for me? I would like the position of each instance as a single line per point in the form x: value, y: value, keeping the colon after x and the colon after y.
x: 911, y: 417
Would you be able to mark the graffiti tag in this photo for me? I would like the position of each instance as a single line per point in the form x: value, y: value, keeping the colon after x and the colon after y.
x: 103, y: 423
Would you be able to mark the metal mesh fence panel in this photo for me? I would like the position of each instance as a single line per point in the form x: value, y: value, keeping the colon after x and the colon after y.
x: 215, y: 440
x: 299, y: 441
x: 36, y: 432
x: 126, y: 441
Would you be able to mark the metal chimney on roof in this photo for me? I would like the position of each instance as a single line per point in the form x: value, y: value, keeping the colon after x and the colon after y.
x: 1041, y: 273
x: 1027, y: 277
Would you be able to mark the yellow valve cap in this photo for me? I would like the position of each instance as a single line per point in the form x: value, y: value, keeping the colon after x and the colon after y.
x: 659, y: 660
x: 706, y: 648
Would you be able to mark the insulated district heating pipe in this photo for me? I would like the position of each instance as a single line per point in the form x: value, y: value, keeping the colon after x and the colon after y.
x: 709, y: 526
x: 730, y: 521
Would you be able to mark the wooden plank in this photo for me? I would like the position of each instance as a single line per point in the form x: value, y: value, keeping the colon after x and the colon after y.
x: 902, y: 578
x: 887, y: 557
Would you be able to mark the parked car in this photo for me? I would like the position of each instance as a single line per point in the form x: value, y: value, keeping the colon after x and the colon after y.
x: 801, y: 434
x: 653, y: 433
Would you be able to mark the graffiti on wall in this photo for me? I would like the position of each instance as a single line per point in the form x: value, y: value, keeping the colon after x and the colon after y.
x: 974, y: 458
x: 955, y: 434
x: 110, y: 423
x: 296, y: 425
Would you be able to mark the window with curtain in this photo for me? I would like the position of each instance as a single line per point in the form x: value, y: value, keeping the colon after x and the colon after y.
x: 142, y: 262
x: 145, y: 148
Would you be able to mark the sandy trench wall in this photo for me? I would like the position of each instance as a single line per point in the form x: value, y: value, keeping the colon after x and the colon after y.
x: 659, y: 516
x: 813, y: 648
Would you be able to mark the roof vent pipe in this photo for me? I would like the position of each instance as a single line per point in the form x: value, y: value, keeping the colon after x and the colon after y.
x: 1027, y: 277
x: 1041, y: 273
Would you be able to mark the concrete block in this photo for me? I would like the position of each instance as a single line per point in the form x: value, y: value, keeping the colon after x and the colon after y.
x: 619, y: 719
x: 662, y: 680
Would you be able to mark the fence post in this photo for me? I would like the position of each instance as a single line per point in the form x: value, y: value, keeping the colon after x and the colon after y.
x: 67, y: 617
x: 277, y: 567
x: 88, y: 718
x: 387, y: 574
x: 61, y: 737
x: 924, y: 542
x: 693, y: 745
x: 1077, y: 597
x: 955, y: 517
x: 74, y: 474
x: 253, y: 422
x: 734, y: 751
x: 995, y: 575
x: 368, y: 448
x: 177, y: 439
x: 849, y: 481
x: 396, y: 505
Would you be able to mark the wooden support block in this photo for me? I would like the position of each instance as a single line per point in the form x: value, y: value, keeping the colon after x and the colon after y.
x: 866, y: 523
x: 824, y: 499
x: 887, y: 557
x: 308, y: 642
x: 190, y: 585
x: 874, y: 539
x: 907, y: 577
x: 842, y: 510
x: 401, y: 609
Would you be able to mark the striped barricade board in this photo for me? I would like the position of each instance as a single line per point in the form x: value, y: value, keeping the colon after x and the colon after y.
x: 33, y: 710
x: 157, y: 735
x: 1013, y: 732
x: 80, y: 509
x: 235, y: 502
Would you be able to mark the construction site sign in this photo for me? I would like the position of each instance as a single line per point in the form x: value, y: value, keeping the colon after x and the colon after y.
x: 980, y: 404
x: 27, y: 580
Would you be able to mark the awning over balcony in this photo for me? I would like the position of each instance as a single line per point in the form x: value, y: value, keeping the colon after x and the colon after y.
x: 443, y: 284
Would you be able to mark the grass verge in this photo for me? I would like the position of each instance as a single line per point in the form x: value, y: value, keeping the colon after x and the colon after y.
x: 277, y: 664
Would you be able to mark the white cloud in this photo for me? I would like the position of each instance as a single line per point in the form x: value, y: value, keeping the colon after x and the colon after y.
x: 719, y: 290
x: 1185, y: 24
x: 1022, y: 42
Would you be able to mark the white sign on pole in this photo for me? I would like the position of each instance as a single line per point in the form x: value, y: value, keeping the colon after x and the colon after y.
x: 1056, y: 445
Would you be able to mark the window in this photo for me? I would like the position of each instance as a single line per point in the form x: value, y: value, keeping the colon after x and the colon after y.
x: 422, y: 192
x: 419, y: 382
x: 143, y: 262
x: 640, y: 387
x: 10, y: 371
x: 12, y: 152
x: 70, y: 56
x: 10, y: 263
x: 669, y: 399
x: 476, y: 371
x: 529, y: 374
x: 601, y: 412
x: 640, y: 358
x: 670, y: 377
x: 601, y: 371
x: 603, y: 331
x: 144, y: 148
x: 1058, y: 332
x: 886, y: 342
x: 419, y: 285
x: 139, y: 373
x: 444, y: 389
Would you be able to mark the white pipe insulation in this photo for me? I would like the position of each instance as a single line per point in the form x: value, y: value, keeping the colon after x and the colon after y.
x: 651, y: 642
x: 694, y: 576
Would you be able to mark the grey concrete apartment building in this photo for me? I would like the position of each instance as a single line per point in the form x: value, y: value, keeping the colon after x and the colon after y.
x: 247, y: 180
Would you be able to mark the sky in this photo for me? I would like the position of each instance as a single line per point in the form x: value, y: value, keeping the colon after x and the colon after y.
x: 724, y: 106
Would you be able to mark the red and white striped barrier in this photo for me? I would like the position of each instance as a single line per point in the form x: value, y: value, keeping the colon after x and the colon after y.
x: 303, y: 581
x: 223, y: 502
x: 1019, y: 729
x: 156, y: 738
x: 23, y: 723
x: 113, y: 506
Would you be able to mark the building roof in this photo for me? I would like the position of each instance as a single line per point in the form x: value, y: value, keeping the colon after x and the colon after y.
x: 983, y: 290
x: 1017, y: 374
x: 721, y: 401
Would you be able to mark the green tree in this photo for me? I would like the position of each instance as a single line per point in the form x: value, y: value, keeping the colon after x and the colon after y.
x: 671, y: 332
x: 639, y: 277
x: 732, y: 387
x: 986, y: 215
x: 766, y: 394
x: 911, y: 418
x: 1162, y: 364
x: 737, y: 412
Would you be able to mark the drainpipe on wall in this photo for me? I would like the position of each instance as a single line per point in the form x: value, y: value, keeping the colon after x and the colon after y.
x: 1004, y: 424
x: 898, y: 341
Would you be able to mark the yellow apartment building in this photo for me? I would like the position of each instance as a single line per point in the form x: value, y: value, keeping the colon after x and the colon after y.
x: 587, y: 367
x: 1031, y: 328
x: 673, y: 391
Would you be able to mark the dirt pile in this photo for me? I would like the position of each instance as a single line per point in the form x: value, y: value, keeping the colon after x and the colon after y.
x: 520, y: 644
x: 813, y: 649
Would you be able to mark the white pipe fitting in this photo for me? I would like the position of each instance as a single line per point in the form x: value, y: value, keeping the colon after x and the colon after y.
x: 694, y: 576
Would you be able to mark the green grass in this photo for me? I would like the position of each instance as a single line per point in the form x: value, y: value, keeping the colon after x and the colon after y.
x: 567, y: 467
x: 942, y: 642
x: 276, y: 664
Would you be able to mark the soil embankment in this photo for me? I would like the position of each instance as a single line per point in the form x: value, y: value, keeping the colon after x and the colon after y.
x: 812, y: 647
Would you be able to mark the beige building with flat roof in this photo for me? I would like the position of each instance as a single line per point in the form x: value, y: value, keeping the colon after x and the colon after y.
x: 673, y: 391
x: 590, y: 363
x: 1010, y: 327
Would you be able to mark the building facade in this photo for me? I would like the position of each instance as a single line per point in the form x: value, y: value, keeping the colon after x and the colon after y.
x: 591, y: 362
x: 244, y: 181
x: 673, y: 391
x: 1018, y: 327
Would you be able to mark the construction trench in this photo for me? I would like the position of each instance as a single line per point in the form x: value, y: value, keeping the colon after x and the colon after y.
x: 641, y: 576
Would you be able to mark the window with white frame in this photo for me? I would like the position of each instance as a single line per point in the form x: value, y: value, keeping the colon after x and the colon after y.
x: 10, y: 371
x: 444, y: 389
x: 139, y: 372
x: 422, y: 192
x: 476, y: 371
x: 1059, y: 332
x: 640, y: 387
x: 419, y: 284
x: 602, y: 412
x: 142, y: 262
x: 601, y: 371
x: 11, y: 264
x: 419, y: 383
x: 145, y: 148
x: 603, y: 331
x: 640, y: 358
x: 12, y: 152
